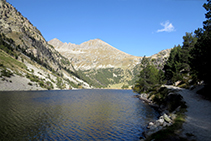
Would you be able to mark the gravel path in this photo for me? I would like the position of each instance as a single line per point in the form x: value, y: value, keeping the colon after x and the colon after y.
x: 198, y: 116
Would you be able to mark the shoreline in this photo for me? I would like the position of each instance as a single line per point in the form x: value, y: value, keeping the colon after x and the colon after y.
x: 165, y: 119
x: 189, y: 121
x: 18, y: 83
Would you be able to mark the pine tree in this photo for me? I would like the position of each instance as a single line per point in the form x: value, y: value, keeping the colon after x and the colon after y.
x: 188, y: 44
x: 179, y: 60
x: 200, y: 54
x: 148, y: 77
x: 173, y: 65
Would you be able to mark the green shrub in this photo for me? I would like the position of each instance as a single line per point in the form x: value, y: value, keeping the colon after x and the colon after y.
x: 60, y: 83
x: 71, y: 84
x: 6, y: 73
x: 32, y: 77
x: 41, y: 83
x: 49, y: 85
x: 125, y: 87
x: 30, y: 83
x: 161, y: 95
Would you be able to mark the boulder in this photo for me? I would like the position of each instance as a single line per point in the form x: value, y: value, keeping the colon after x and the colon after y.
x: 144, y: 97
x: 165, y: 124
x: 161, y: 117
x: 151, y: 123
x: 159, y: 122
x: 177, y: 83
x: 166, y: 118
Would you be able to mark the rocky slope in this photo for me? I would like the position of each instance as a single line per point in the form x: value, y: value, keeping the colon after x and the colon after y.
x: 24, y: 42
x: 28, y: 38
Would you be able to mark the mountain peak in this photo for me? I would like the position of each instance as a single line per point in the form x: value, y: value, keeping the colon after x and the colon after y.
x: 95, y: 42
x: 55, y: 40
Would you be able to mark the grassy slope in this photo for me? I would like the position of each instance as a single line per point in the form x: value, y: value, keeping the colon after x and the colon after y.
x: 10, y: 62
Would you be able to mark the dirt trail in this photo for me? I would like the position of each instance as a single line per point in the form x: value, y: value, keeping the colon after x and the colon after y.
x: 198, y: 116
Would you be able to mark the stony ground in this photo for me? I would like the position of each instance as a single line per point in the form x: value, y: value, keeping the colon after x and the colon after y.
x: 198, y: 116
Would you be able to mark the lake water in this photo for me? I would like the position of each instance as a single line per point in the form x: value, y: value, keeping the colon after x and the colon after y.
x: 73, y: 115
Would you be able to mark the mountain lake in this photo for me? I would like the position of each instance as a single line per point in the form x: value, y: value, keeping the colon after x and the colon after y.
x: 95, y: 114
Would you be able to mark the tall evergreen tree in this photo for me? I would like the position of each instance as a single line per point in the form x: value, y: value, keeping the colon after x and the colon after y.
x: 149, y: 76
x: 200, y: 54
x: 179, y: 59
x: 207, y: 23
x: 189, y: 40
x: 171, y: 68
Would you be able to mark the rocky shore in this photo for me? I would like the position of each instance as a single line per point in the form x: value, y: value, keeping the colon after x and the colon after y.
x: 166, y: 117
x: 163, y: 121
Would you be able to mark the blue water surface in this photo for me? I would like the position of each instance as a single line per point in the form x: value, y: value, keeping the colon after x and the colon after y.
x: 73, y: 115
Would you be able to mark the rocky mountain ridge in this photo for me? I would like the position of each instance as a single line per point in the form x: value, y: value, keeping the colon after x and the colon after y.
x: 94, y: 54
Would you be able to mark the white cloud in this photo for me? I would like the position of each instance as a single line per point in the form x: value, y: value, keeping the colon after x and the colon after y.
x: 168, y: 27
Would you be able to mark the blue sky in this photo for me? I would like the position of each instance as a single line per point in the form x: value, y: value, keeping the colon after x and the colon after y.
x: 137, y: 27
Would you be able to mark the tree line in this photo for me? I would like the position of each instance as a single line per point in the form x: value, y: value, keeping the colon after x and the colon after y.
x: 189, y: 63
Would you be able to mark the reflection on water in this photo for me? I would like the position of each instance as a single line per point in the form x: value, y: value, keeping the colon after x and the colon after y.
x: 73, y: 115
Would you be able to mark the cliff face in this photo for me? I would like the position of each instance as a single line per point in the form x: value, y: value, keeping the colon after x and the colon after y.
x: 29, y: 39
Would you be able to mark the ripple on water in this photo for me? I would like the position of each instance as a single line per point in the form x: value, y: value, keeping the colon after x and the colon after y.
x: 73, y: 115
